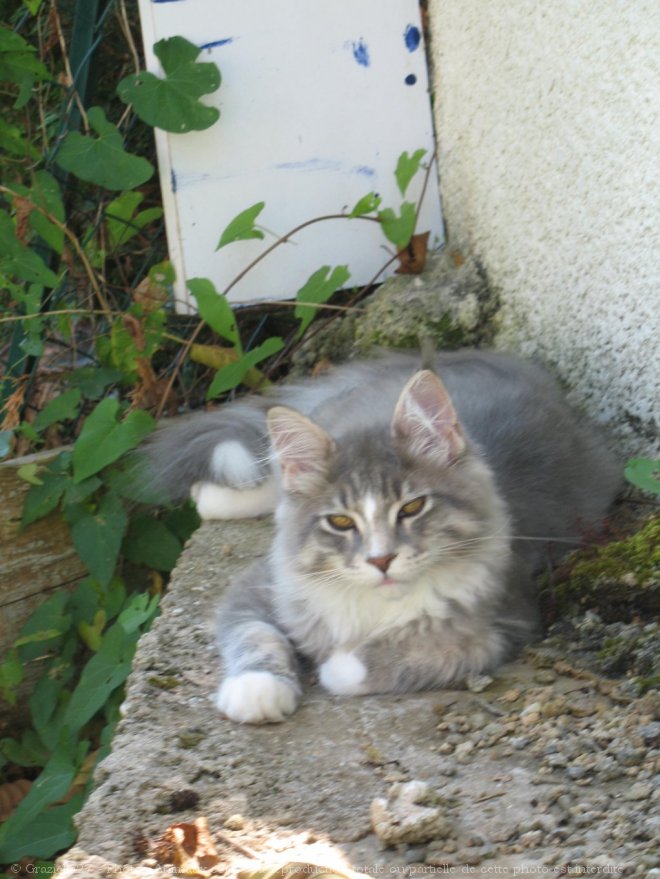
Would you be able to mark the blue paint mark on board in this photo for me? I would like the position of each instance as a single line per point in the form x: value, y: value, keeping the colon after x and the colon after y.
x: 361, y: 53
x: 215, y: 43
x: 411, y: 79
x: 364, y: 170
x: 173, y: 182
x: 310, y: 165
x: 167, y: 1
x: 412, y: 37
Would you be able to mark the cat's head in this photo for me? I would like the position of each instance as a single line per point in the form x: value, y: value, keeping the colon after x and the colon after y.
x: 382, y: 508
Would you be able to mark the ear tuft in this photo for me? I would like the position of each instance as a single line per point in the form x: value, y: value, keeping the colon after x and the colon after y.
x: 425, y: 421
x: 304, y: 450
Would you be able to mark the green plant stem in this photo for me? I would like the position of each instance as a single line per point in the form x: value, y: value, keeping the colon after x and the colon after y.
x: 75, y: 243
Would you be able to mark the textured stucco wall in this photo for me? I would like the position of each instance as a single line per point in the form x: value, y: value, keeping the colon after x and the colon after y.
x: 548, y: 123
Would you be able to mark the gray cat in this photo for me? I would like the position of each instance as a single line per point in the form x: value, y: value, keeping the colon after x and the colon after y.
x: 411, y: 513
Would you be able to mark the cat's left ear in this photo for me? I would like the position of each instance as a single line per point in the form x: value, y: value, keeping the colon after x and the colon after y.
x: 303, y: 449
x: 425, y: 421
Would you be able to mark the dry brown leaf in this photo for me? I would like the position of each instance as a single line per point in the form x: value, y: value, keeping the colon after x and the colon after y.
x: 134, y: 327
x: 82, y: 778
x: 150, y: 295
x: 321, y: 367
x: 457, y: 258
x: 11, y: 794
x: 12, y: 408
x: 148, y: 392
x: 188, y: 847
x: 413, y: 258
x: 23, y: 208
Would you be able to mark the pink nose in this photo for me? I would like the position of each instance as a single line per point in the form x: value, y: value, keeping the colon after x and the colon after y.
x: 382, y: 562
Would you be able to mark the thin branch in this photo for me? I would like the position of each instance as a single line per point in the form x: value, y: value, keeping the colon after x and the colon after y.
x: 425, y: 184
x: 75, y: 97
x: 286, y: 237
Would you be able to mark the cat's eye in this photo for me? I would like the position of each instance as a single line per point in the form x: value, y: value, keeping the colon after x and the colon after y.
x: 340, y: 522
x: 412, y: 508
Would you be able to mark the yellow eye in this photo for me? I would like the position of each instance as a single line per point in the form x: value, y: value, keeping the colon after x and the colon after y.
x: 412, y: 507
x: 340, y: 523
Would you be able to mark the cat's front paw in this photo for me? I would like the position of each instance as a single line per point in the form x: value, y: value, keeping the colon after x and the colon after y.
x: 343, y: 674
x: 257, y: 697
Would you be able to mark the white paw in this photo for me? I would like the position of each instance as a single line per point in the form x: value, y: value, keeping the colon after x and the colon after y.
x: 256, y: 697
x: 343, y: 674
x: 219, y: 502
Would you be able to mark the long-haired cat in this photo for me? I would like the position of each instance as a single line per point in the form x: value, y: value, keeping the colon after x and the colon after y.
x: 412, y: 510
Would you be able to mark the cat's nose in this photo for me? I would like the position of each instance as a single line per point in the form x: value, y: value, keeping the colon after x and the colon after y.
x: 382, y: 562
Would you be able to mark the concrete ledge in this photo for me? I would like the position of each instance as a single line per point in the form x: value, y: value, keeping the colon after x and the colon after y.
x: 304, y: 789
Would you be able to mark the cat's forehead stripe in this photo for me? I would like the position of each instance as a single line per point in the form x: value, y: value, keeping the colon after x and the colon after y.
x: 370, y: 508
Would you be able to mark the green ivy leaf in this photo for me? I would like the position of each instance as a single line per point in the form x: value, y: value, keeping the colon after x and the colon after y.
x: 183, y: 521
x: 215, y: 309
x: 173, y: 103
x: 97, y: 535
x: 138, y: 613
x: 242, y: 228
x: 91, y: 633
x: 232, y: 375
x: 51, y: 785
x: 150, y: 542
x: 407, y: 167
x: 644, y: 473
x: 13, y: 142
x: 44, y: 700
x: 104, y: 438
x: 19, y: 64
x: 18, y: 261
x: 77, y: 492
x: 11, y: 675
x: 367, y: 205
x: 28, y: 473
x: 30, y: 751
x: 62, y: 408
x: 127, y: 479
x: 319, y: 287
x: 103, y: 159
x: 42, y: 498
x: 32, y: 6
x: 399, y: 229
x: 45, y: 192
x: 93, y: 380
x: 50, y: 621
x: 123, y: 220
x: 51, y: 832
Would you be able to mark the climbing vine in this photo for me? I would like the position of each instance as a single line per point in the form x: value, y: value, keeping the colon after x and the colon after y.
x: 93, y: 354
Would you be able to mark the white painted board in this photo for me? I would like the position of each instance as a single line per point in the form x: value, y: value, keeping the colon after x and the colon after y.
x: 318, y: 100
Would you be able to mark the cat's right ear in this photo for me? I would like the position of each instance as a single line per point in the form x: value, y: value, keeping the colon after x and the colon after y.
x: 425, y: 421
x: 303, y: 449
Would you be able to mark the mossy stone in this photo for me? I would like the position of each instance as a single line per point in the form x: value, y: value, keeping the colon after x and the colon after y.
x: 620, y: 579
x: 449, y: 303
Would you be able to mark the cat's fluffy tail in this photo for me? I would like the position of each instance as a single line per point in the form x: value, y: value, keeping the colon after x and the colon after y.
x: 228, y: 448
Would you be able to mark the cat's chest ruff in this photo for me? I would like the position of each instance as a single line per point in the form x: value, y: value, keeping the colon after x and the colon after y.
x: 318, y: 620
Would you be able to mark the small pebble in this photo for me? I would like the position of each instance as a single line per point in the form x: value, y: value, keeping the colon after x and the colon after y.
x: 638, y: 791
